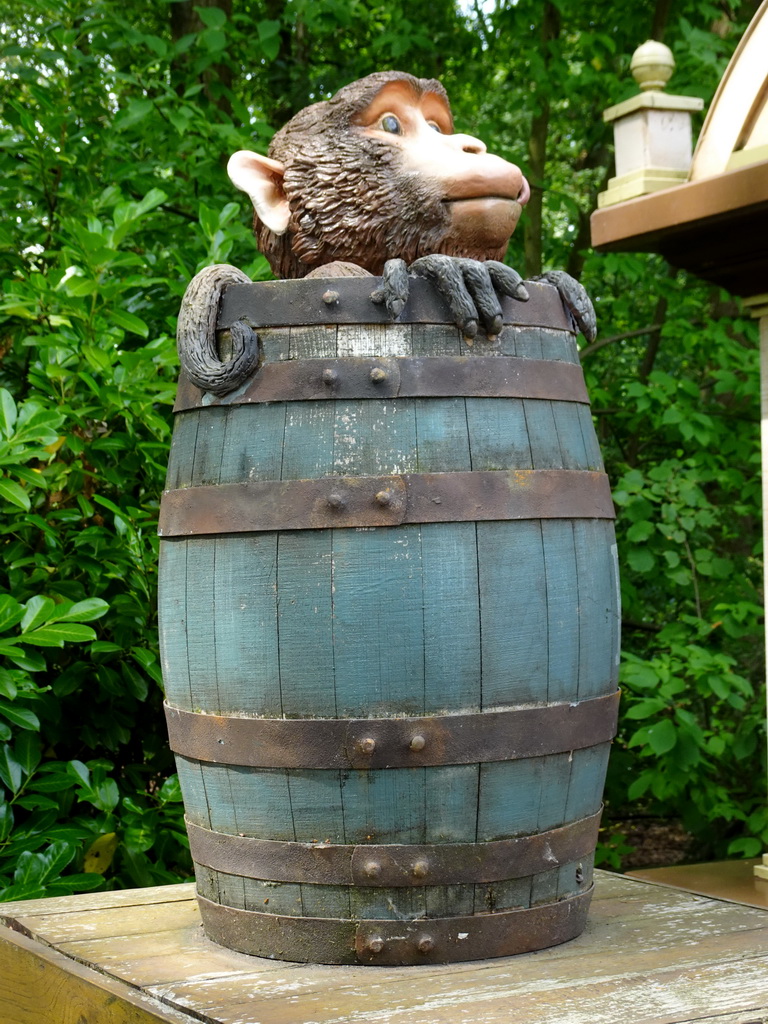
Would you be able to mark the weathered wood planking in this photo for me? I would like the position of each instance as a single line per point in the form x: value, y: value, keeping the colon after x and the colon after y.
x: 649, y: 955
x: 425, y: 619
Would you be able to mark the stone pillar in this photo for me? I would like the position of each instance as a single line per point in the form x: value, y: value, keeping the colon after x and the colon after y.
x: 759, y: 308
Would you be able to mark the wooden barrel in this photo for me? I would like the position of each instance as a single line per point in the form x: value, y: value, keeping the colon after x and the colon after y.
x: 389, y: 620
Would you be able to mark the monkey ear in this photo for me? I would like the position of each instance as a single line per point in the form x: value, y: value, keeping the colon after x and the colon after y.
x: 262, y: 179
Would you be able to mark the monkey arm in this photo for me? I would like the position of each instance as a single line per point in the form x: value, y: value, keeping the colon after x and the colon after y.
x: 471, y: 289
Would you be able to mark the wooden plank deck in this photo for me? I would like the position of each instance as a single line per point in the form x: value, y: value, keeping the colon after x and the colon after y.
x: 733, y: 880
x: 650, y: 955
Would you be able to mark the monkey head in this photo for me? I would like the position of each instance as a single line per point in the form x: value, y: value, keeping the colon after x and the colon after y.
x: 377, y: 173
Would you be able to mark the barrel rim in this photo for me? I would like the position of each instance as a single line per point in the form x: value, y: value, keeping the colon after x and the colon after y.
x: 317, y: 301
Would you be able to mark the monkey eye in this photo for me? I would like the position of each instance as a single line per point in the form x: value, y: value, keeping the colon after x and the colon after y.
x: 434, y: 126
x: 390, y: 123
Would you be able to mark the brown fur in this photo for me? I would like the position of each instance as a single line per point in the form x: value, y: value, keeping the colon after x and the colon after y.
x: 361, y: 209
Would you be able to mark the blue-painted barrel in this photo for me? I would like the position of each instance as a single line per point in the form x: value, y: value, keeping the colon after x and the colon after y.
x: 390, y: 626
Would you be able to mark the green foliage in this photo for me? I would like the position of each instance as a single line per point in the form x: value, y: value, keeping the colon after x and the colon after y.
x: 116, y: 122
x: 683, y: 449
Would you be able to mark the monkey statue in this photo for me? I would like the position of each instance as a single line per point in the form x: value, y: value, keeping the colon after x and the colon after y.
x: 374, y: 181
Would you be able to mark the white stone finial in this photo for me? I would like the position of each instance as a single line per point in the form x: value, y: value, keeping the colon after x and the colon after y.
x: 652, y: 65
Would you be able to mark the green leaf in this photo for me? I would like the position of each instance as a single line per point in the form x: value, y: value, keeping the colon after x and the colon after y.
x: 641, y: 531
x: 747, y: 847
x: 645, y: 708
x: 135, y: 112
x: 79, y: 771
x: 7, y: 413
x: 10, y: 769
x: 28, y: 751
x: 213, y: 17
x: 105, y: 647
x: 58, y: 634
x: 8, y: 687
x: 662, y: 736
x: 83, y: 611
x: 170, y: 791
x: 213, y: 40
x: 8, y: 650
x: 30, y: 869
x: 14, y: 494
x: 20, y: 716
x: 38, y: 610
x: 268, y: 29
x: 136, y: 683
x: 130, y: 322
x: 11, y: 612
x: 641, y: 559
x: 6, y: 820
x: 55, y: 858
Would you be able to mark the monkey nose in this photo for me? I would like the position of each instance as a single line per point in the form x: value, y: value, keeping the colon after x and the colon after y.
x: 468, y: 143
x: 525, y: 193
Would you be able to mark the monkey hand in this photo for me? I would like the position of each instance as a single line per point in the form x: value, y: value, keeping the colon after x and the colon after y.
x: 471, y: 289
x: 576, y: 301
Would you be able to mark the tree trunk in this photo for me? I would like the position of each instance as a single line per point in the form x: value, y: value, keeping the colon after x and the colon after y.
x: 537, y: 153
x: 184, y: 20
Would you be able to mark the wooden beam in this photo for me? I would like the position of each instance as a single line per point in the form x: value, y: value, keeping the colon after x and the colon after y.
x: 39, y: 985
x: 715, y: 228
x: 639, y: 224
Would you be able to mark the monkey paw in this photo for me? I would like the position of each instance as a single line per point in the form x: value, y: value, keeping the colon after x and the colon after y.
x: 575, y: 300
x: 472, y: 289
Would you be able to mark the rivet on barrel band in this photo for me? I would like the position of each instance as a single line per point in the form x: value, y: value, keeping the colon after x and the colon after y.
x: 471, y: 496
x: 298, y: 303
x: 395, y: 942
x: 334, y: 744
x: 295, y: 380
x: 397, y: 866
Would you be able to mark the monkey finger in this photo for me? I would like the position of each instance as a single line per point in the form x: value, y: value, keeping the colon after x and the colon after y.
x: 446, y: 275
x: 394, y: 287
x: 507, y: 281
x: 478, y: 281
x: 575, y: 300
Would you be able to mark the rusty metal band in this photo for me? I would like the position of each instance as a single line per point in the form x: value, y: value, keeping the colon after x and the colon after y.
x: 343, y: 744
x: 332, y: 502
x: 306, y: 302
x: 393, y: 865
x: 396, y: 943
x: 302, y: 380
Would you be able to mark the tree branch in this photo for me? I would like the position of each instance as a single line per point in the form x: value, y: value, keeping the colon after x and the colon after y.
x: 651, y: 329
